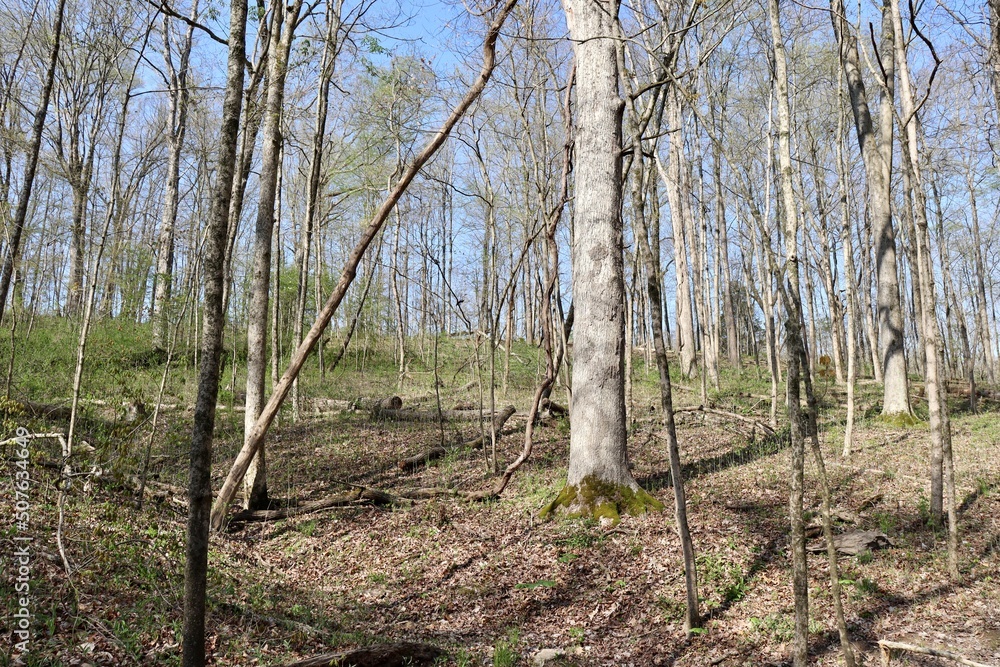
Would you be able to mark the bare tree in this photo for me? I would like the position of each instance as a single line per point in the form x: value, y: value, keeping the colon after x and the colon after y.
x: 200, y: 485
x: 176, y: 79
x: 876, y: 152
x: 37, y: 128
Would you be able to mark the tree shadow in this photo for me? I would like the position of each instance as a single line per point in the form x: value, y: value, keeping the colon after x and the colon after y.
x: 742, y: 455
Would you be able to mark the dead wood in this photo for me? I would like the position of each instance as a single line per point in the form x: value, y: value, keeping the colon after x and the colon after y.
x: 728, y: 415
x: 413, y: 462
x: 383, y: 655
x: 45, y: 410
x: 431, y: 415
x: 159, y: 491
x: 856, y: 541
x: 351, y: 497
x: 553, y: 407
x: 378, y: 406
x: 887, y: 647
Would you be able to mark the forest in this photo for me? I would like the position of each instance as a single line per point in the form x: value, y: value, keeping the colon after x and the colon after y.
x: 500, y: 332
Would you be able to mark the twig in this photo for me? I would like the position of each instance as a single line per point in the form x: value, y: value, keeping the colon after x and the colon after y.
x: 888, y: 647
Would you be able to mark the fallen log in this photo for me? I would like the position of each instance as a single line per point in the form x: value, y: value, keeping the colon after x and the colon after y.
x: 728, y: 415
x: 553, y: 407
x: 413, y: 462
x: 383, y: 655
x: 379, y: 406
x: 431, y: 415
x: 887, y: 647
x: 854, y: 542
x: 340, y: 500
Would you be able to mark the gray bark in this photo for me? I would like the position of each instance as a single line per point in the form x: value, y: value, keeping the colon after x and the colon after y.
x: 598, y: 436
x: 179, y: 95
x: 281, y: 35
x: 200, y: 486
x: 876, y: 153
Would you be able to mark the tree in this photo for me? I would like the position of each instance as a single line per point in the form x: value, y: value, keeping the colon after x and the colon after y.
x: 200, y: 484
x: 283, y: 23
x: 176, y: 79
x: 598, y: 482
x: 876, y: 152
x: 37, y: 128
x: 256, y: 437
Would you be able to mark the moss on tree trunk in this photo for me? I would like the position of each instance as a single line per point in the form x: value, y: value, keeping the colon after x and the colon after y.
x: 600, y: 500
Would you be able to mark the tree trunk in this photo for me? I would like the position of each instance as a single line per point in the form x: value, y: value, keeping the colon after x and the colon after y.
x: 676, y: 197
x: 31, y: 166
x: 599, y: 482
x: 179, y: 95
x: 877, y: 156
x: 281, y: 35
x: 200, y: 487
x: 793, y: 319
x: 936, y: 392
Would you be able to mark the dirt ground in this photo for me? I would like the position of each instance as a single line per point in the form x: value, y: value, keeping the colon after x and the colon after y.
x: 491, y: 583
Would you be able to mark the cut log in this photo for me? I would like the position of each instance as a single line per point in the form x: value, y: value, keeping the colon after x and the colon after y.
x: 553, y: 407
x: 413, y: 462
x: 353, y: 496
x: 383, y: 655
x: 379, y: 406
x: 887, y: 647
x: 854, y: 542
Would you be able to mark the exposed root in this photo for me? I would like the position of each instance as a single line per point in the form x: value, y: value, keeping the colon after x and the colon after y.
x: 604, y: 501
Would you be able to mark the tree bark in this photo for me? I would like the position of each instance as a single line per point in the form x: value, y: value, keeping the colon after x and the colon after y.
x: 200, y: 486
x: 598, y: 482
x: 281, y: 34
x: 179, y: 95
x: 876, y: 153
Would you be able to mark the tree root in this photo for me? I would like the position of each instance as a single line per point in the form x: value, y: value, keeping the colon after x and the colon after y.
x: 604, y: 501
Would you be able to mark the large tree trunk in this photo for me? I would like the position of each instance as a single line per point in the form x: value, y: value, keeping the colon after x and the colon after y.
x: 31, y: 166
x: 876, y: 153
x: 598, y: 482
x: 200, y: 487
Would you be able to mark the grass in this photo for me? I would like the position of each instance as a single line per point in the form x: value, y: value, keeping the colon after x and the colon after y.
x: 486, y: 580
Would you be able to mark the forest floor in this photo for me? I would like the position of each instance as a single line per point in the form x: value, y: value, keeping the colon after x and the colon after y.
x: 491, y: 583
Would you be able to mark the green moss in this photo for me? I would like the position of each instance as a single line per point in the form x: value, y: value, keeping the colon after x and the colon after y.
x: 900, y: 419
x: 603, y: 501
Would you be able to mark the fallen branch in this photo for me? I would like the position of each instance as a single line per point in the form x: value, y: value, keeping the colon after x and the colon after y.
x: 384, y: 655
x: 255, y: 438
x: 888, y: 647
x: 373, y: 495
x: 431, y: 415
x: 728, y: 415
x: 413, y: 462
